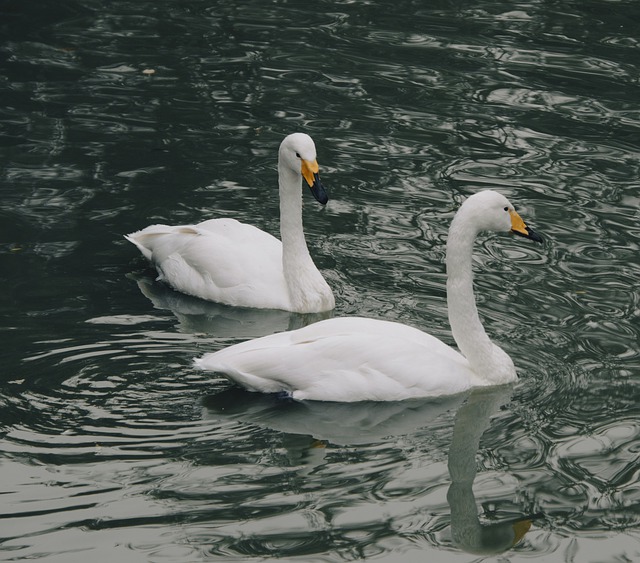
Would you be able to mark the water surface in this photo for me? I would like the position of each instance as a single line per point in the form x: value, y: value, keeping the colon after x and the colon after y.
x: 121, y: 114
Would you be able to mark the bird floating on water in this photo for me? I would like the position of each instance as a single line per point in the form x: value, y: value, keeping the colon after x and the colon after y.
x: 230, y: 262
x: 350, y: 359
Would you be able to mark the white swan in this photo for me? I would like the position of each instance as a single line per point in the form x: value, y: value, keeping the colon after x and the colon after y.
x: 357, y: 359
x: 230, y: 262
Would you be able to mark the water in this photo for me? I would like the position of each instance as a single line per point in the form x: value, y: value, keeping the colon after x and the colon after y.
x: 117, y: 115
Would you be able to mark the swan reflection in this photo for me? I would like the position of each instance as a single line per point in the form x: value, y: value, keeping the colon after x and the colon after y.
x: 342, y: 424
x: 199, y: 316
x: 468, y: 533
x: 307, y: 422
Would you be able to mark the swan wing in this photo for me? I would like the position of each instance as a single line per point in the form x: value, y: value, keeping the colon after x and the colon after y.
x: 221, y: 260
x: 346, y: 359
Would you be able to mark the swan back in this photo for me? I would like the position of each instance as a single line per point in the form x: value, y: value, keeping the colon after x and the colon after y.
x: 346, y: 359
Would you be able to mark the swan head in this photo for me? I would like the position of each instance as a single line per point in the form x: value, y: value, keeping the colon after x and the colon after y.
x: 491, y: 211
x: 298, y: 155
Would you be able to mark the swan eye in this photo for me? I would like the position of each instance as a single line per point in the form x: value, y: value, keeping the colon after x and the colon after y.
x: 298, y: 155
x: 506, y: 208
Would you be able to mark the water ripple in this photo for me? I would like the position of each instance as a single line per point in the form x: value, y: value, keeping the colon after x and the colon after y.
x: 116, y: 117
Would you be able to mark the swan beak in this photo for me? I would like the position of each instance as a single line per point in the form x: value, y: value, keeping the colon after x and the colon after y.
x: 520, y: 528
x: 310, y: 174
x: 518, y: 227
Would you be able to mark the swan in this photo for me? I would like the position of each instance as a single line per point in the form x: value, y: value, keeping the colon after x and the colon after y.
x: 350, y: 359
x: 229, y: 262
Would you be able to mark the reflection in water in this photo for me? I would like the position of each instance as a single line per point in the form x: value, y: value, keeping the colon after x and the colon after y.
x: 472, y: 419
x: 368, y: 422
x: 199, y: 316
x: 418, y: 104
x: 337, y: 423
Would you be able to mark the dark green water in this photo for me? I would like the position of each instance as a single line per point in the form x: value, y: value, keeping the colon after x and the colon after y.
x: 113, y: 448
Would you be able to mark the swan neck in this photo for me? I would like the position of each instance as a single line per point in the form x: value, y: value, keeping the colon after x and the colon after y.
x: 308, y: 291
x: 294, y: 245
x: 466, y: 326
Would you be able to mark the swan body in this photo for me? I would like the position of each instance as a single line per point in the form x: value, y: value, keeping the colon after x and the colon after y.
x: 230, y: 262
x: 352, y: 359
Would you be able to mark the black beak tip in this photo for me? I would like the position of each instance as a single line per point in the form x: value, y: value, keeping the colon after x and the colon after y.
x: 531, y: 234
x: 318, y: 190
x: 535, y: 236
x: 323, y: 198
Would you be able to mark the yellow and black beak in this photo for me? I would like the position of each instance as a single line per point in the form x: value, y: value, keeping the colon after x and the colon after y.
x: 519, y: 228
x: 310, y: 174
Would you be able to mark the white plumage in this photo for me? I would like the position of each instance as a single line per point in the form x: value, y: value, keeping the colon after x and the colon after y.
x: 357, y: 359
x: 230, y: 262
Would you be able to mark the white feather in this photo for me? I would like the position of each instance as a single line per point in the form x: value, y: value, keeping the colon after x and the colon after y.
x: 230, y: 262
x: 356, y: 359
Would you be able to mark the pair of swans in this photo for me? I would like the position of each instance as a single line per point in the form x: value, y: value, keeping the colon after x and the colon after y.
x: 346, y: 359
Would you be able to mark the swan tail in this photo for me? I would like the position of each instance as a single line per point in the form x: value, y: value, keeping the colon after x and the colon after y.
x: 145, y: 239
x: 146, y: 252
x: 247, y: 380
